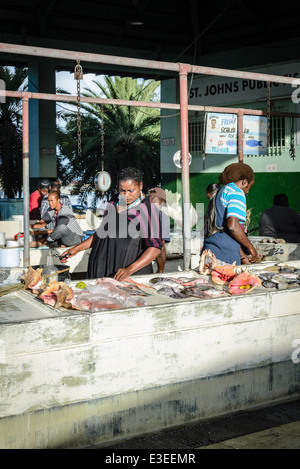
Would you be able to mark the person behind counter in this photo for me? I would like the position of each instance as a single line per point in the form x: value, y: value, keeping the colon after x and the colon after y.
x: 64, y: 198
x: 280, y: 221
x: 212, y: 189
x: 129, y: 237
x: 158, y: 197
x: 35, y: 199
x: 66, y: 230
x: 224, y: 234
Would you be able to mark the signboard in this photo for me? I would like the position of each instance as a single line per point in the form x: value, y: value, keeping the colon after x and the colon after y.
x: 255, y: 135
x: 221, y: 134
x: 216, y: 91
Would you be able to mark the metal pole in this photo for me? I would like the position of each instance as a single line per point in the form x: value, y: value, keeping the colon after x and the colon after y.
x: 140, y: 63
x: 123, y: 102
x: 26, y: 256
x: 240, y: 137
x: 183, y: 87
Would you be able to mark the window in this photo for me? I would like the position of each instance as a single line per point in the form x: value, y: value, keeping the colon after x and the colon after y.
x: 277, y: 143
x: 196, y: 135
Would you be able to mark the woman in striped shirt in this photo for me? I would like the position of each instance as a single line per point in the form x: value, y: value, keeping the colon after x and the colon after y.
x: 226, y: 216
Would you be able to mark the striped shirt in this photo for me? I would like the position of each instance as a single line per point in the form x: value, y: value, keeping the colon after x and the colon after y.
x: 234, y: 201
x: 65, y: 211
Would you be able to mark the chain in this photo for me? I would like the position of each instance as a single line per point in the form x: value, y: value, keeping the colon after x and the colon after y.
x: 102, y: 138
x: 78, y: 77
x: 268, y: 112
x: 292, y: 147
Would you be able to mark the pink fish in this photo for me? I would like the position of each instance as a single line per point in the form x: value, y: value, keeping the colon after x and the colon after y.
x: 194, y: 282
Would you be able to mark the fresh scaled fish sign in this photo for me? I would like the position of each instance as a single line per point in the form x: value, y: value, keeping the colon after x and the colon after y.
x: 221, y: 129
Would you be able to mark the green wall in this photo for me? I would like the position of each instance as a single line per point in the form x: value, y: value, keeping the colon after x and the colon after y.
x: 260, y: 197
x: 283, y: 178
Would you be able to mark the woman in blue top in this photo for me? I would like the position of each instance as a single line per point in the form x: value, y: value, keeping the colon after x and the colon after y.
x: 226, y: 215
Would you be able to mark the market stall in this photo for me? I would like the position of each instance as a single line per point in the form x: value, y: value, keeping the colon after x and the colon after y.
x: 152, y: 357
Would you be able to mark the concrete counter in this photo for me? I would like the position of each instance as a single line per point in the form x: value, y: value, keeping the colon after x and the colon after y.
x: 70, y: 379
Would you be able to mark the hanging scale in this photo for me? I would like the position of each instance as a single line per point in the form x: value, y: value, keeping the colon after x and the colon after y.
x: 78, y: 75
x: 102, y: 179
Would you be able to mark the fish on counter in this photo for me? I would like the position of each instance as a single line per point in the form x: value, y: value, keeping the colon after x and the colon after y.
x: 279, y: 277
x: 106, y: 293
x: 186, y: 287
x: 167, y: 286
x: 172, y: 281
x: 205, y: 291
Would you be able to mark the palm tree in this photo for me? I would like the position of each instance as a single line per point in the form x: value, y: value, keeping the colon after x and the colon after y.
x: 131, y: 134
x: 11, y: 132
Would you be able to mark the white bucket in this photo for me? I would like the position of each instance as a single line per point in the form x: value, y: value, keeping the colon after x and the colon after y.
x: 10, y: 257
x: 11, y: 244
x: 2, y: 238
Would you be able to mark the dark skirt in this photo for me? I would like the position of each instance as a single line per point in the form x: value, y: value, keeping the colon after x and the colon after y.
x: 108, y: 255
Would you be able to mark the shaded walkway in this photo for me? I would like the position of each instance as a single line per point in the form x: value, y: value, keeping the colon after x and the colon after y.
x: 275, y: 427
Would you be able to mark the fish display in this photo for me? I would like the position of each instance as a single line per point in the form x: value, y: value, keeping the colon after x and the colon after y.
x: 279, y: 278
x: 108, y: 294
x: 105, y: 294
x: 205, y: 292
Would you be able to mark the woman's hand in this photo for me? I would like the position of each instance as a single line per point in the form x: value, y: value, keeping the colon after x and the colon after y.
x: 122, y: 274
x: 76, y: 249
x: 68, y: 253
x: 148, y: 256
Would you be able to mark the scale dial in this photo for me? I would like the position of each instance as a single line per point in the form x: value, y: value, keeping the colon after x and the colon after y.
x: 177, y: 159
x: 102, y: 181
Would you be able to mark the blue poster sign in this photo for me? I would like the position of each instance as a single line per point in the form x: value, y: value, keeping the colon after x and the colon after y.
x: 255, y: 135
x: 221, y: 134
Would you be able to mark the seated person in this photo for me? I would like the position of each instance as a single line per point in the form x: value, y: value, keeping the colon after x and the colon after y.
x: 35, y: 199
x: 65, y: 200
x: 280, y: 221
x: 66, y: 230
x: 158, y: 197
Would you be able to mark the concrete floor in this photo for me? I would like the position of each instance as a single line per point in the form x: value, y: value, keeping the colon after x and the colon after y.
x: 285, y: 436
x: 274, y: 427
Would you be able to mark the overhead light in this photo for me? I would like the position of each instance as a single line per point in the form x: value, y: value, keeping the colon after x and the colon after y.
x: 136, y: 22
